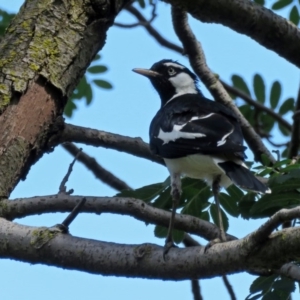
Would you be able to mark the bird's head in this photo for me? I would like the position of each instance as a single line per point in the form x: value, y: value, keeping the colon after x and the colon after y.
x: 171, y: 79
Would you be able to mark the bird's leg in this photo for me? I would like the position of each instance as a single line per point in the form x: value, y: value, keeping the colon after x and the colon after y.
x: 175, y: 193
x: 216, y: 190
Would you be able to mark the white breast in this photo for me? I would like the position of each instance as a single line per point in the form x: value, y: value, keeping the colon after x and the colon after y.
x: 200, y: 167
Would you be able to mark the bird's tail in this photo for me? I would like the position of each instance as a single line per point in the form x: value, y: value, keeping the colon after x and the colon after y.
x: 243, y: 178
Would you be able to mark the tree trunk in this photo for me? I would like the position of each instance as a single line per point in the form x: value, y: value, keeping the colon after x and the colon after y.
x: 45, y: 52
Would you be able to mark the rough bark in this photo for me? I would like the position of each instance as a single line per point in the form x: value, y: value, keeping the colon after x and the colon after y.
x: 48, y: 246
x: 261, y: 24
x: 46, y: 50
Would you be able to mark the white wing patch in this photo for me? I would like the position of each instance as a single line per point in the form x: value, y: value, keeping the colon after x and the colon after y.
x: 175, y: 134
x: 223, y: 140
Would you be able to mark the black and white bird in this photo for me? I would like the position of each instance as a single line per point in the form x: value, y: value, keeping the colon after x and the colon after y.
x: 195, y: 136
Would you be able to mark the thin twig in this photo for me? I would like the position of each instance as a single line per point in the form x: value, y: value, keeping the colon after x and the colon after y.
x: 257, y: 105
x: 295, y: 136
x: 188, y: 241
x: 229, y: 287
x: 153, y: 32
x: 141, y: 22
x: 100, y: 172
x: 74, y: 213
x: 197, y: 60
x: 62, y: 187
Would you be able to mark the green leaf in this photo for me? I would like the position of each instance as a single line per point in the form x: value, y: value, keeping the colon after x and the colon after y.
x: 235, y: 192
x: 97, y: 69
x: 246, y: 204
x: 88, y: 95
x: 177, y: 235
x: 214, y: 214
x: 287, y: 105
x: 294, y: 15
x: 196, y: 203
x: 69, y: 108
x: 272, y: 295
x: 254, y: 297
x: 229, y: 203
x: 267, y: 122
x: 261, y: 2
x: 284, y: 284
x: 284, y: 131
x: 275, y: 94
x: 281, y: 4
x: 275, y: 201
x: 259, y: 88
x: 164, y: 200
x: 97, y: 56
x: 146, y: 193
x: 141, y: 3
x: 5, y: 19
x: 161, y: 232
x: 102, y: 83
x: 239, y: 83
x: 248, y: 112
x: 262, y: 283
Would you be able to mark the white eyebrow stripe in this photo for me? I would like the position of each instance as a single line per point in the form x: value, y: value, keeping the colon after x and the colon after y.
x: 171, y: 64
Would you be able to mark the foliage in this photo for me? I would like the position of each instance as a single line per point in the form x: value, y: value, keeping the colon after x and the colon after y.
x: 84, y: 89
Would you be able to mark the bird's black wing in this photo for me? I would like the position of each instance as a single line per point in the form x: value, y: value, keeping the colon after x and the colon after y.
x: 193, y: 124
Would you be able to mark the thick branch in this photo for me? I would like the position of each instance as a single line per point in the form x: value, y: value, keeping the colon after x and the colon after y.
x: 258, y: 237
x: 100, y: 172
x: 45, y: 246
x: 295, y: 137
x: 290, y: 270
x: 98, y: 138
x: 198, y: 62
x: 19, y: 208
x: 246, y: 17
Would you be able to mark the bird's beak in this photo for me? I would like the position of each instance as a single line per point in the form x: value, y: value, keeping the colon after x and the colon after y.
x: 146, y: 72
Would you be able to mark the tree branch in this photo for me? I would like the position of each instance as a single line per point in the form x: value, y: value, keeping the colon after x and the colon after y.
x: 261, y: 235
x: 188, y: 241
x: 295, y: 136
x: 100, y: 172
x: 153, y: 32
x: 98, y: 138
x: 162, y: 41
x: 256, y: 104
x: 291, y: 271
x: 246, y: 17
x: 45, y: 246
x: 20, y: 208
x: 198, y: 62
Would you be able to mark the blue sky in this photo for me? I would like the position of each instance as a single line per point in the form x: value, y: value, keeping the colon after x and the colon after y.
x: 128, y: 110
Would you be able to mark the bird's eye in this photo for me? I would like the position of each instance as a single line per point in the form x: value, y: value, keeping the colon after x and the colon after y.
x: 171, y: 71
